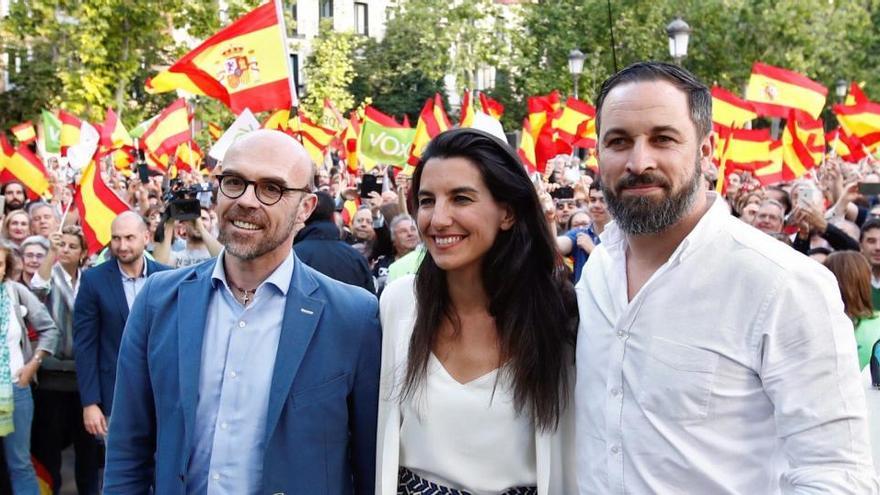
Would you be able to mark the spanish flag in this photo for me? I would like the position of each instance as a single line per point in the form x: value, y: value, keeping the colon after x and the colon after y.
x: 467, y: 110
x: 774, y: 91
x: 98, y: 205
x: 845, y: 146
x: 277, y: 120
x: 350, y: 138
x: 113, y: 133
x: 70, y: 130
x: 748, y: 149
x: 797, y: 141
x: 22, y: 165
x: 491, y: 107
x: 730, y: 111
x: 215, y: 131
x: 315, y: 139
x: 856, y: 95
x: 432, y: 121
x: 573, y: 115
x: 773, y: 171
x: 189, y: 157
x: 861, y: 121
x: 245, y: 65
x: 526, y: 149
x: 25, y: 132
x: 169, y: 130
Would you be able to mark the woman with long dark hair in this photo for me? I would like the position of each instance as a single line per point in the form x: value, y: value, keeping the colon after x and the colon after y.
x: 478, y: 346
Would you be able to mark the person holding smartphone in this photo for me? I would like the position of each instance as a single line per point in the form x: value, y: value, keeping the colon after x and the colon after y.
x: 810, y: 220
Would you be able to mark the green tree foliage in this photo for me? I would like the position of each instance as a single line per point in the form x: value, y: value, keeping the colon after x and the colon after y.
x: 424, y: 41
x: 823, y: 39
x: 329, y: 70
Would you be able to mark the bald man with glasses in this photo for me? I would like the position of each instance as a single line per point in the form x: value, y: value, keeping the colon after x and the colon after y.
x: 253, y: 373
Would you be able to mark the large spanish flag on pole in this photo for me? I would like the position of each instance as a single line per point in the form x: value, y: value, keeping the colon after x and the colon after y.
x: 432, y: 121
x: 773, y: 91
x: 861, y: 121
x: 98, y: 205
x: 575, y: 113
x: 25, y: 167
x: 244, y: 65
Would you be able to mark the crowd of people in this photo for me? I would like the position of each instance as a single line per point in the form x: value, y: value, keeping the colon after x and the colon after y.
x: 687, y: 337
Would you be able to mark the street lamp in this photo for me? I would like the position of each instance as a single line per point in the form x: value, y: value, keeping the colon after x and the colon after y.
x: 840, y: 88
x: 576, y: 67
x: 679, y: 33
x: 485, y: 77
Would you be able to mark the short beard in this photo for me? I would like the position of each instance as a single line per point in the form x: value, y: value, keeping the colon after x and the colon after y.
x: 641, y: 215
x: 251, y: 251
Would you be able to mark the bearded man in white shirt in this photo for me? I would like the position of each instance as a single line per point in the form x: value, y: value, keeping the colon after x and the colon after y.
x: 711, y: 357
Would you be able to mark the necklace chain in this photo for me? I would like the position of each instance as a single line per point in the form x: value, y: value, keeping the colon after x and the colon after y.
x: 246, y: 295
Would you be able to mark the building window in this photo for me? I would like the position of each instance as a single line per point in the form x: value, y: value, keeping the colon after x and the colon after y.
x: 294, y: 67
x: 361, y: 19
x: 291, y: 26
x: 326, y: 9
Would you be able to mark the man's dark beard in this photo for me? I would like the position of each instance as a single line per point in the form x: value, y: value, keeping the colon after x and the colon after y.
x: 14, y: 205
x: 641, y: 215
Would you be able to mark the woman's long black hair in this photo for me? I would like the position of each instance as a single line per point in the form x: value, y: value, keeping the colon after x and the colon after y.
x: 530, y: 295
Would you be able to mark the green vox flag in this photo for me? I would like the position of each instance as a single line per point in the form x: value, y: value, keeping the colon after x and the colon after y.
x: 388, y: 145
x: 51, y: 132
x: 141, y: 128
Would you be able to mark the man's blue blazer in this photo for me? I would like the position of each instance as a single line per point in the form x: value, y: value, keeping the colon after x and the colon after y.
x: 321, y: 423
x: 99, y: 315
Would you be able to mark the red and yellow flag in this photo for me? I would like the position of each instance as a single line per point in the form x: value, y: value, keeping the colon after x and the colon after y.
x: 432, y: 121
x: 799, y: 142
x: 350, y: 142
x: 25, y: 132
x: 526, y: 149
x: 773, y: 171
x: 215, y: 131
x: 573, y: 115
x: 861, y: 121
x: 315, y: 139
x: 848, y: 148
x: 169, y: 129
x: 491, y: 107
x: 467, y: 110
x: 22, y: 165
x: 70, y: 130
x: 746, y: 149
x: 277, y: 120
x: 774, y: 91
x: 855, y: 96
x: 98, y: 205
x: 244, y: 65
x: 189, y: 157
x: 113, y: 133
x: 730, y: 111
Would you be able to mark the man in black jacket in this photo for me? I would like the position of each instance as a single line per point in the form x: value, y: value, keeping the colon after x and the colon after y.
x: 319, y: 246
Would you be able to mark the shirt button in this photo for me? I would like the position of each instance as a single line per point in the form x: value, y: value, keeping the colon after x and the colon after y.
x: 232, y: 374
x: 224, y: 425
x: 215, y: 476
x: 615, y: 392
x: 621, y: 333
x: 241, y: 324
x: 615, y: 450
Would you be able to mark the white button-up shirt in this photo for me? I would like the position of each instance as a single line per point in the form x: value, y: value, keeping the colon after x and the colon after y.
x: 733, y: 370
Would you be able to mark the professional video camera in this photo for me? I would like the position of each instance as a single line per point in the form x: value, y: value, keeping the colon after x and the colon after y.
x: 183, y: 203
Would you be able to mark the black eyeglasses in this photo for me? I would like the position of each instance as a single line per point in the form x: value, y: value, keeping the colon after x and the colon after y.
x: 268, y: 193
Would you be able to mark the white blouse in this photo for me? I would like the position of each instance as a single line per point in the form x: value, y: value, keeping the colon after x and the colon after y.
x: 13, y: 337
x: 460, y: 435
x: 467, y: 436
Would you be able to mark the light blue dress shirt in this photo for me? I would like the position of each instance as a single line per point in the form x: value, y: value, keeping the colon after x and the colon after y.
x: 132, y: 285
x: 238, y: 358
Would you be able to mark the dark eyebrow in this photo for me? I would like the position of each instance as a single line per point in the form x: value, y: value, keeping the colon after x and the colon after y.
x: 464, y: 189
x: 276, y: 179
x: 665, y: 128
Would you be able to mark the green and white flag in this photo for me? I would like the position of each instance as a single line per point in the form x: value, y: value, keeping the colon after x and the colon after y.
x: 383, y: 144
x: 51, y: 132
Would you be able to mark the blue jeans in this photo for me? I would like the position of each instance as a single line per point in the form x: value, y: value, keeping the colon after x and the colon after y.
x: 17, y: 445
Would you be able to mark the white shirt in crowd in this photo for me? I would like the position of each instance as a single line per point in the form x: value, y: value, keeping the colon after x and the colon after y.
x: 732, y: 370
x: 13, y: 337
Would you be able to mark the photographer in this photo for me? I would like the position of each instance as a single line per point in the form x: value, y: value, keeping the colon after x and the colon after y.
x: 201, y: 245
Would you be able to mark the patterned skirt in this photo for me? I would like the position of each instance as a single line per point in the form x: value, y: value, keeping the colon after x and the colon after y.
x: 409, y: 483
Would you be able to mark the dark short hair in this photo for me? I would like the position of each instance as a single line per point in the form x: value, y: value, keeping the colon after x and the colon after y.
x: 11, y: 183
x: 324, y: 209
x: 596, y: 185
x: 871, y: 224
x: 698, y: 95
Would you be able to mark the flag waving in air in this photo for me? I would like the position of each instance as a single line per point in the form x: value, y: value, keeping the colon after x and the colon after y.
x: 98, y: 205
x: 774, y: 91
x: 245, y: 65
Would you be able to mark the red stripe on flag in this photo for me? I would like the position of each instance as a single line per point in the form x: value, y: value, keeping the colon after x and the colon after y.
x: 788, y: 77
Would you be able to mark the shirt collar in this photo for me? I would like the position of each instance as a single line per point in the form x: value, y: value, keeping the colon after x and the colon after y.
x: 710, y: 223
x: 125, y: 276
x: 279, y: 278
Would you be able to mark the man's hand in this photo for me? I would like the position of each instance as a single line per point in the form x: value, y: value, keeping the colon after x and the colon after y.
x: 94, y: 420
x: 584, y: 242
x: 27, y: 372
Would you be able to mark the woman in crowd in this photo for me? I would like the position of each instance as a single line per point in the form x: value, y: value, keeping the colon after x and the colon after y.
x: 16, y: 226
x: 19, y: 362
x: 58, y: 419
x: 477, y: 370
x: 34, y: 250
x: 853, y: 275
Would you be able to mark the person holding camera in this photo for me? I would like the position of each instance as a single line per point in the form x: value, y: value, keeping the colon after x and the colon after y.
x: 201, y: 245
